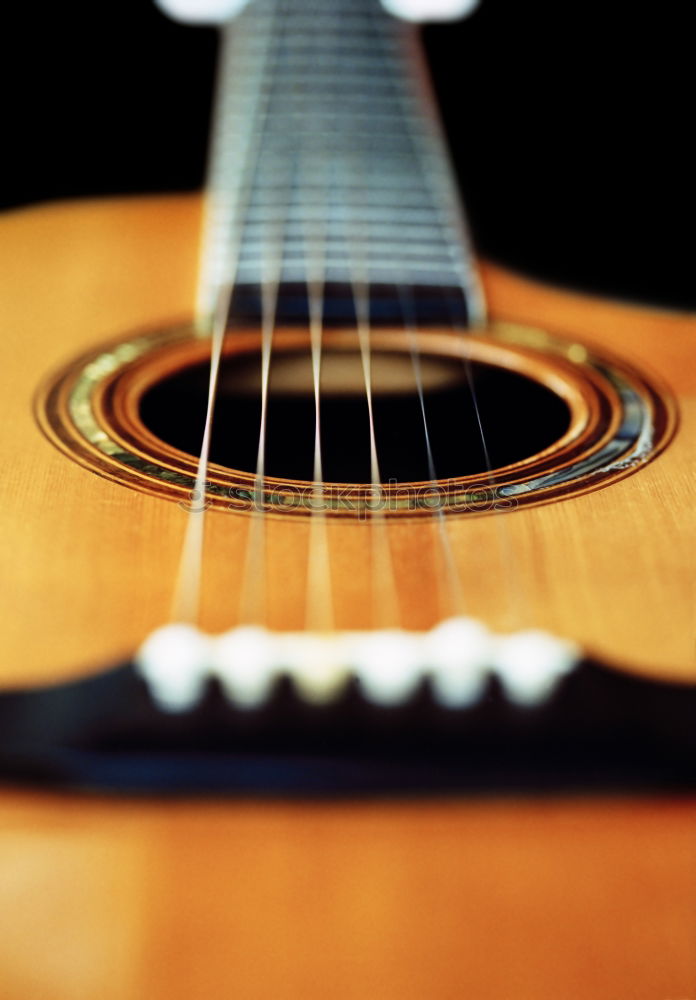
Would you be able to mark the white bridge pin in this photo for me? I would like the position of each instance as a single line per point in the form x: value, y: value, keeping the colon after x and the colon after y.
x: 244, y: 661
x: 174, y: 661
x: 531, y: 663
x: 316, y: 664
x: 388, y: 664
x: 457, y: 657
x: 458, y: 653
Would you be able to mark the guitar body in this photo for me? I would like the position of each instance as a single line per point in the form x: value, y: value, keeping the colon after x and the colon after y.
x: 486, y: 899
x: 489, y: 898
x: 90, y: 564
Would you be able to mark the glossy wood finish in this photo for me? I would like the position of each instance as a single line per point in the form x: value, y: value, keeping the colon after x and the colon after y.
x: 534, y: 901
x: 126, y: 900
x: 96, y: 561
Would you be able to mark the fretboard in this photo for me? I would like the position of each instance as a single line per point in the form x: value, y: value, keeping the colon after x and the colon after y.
x: 327, y: 164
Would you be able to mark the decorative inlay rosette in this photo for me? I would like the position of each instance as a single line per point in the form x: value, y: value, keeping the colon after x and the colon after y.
x: 620, y: 419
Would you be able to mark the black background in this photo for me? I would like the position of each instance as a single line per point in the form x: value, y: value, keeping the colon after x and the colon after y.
x: 571, y: 125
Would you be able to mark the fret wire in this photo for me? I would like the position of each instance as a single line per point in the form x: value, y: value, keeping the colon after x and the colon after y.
x: 301, y: 46
x: 388, y: 231
x: 426, y: 247
x: 401, y: 202
x: 333, y: 63
x: 373, y: 114
x: 427, y: 270
x: 379, y: 120
x: 362, y: 90
x: 432, y: 167
x: 333, y: 86
x: 403, y: 255
x: 376, y: 214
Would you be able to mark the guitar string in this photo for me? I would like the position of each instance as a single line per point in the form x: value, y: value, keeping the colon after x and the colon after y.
x: 186, y: 601
x: 253, y: 601
x: 454, y: 590
x: 228, y: 190
x: 453, y: 596
x: 453, y: 217
x: 382, y: 556
x: 253, y: 596
x: 471, y: 288
x: 187, y: 590
x: 357, y: 242
x: 319, y: 609
x: 510, y: 572
x: 473, y: 295
x: 190, y: 577
x: 383, y: 562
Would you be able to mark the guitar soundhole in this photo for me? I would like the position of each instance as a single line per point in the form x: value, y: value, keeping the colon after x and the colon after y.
x: 558, y: 419
x: 519, y: 417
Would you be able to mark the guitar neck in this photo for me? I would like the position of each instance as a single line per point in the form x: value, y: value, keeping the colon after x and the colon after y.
x: 327, y: 164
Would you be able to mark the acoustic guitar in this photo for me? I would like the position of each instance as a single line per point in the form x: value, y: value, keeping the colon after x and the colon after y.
x: 404, y: 450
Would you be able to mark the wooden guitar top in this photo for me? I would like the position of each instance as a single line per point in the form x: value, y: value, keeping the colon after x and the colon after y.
x: 488, y: 899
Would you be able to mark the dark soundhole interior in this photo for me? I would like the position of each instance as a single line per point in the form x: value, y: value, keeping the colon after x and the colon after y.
x: 519, y: 416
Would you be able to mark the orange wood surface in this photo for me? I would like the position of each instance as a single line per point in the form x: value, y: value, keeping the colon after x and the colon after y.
x: 611, y: 569
x: 488, y: 900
